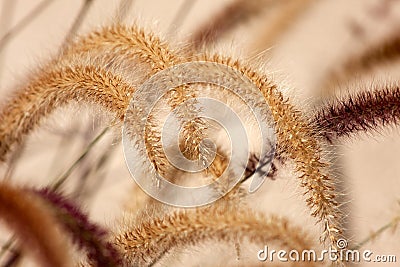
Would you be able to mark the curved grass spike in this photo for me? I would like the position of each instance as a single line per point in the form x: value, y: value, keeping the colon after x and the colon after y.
x: 294, y: 134
x: 35, y: 226
x: 361, y: 112
x: 135, y: 42
x: 87, y: 235
x: 118, y: 39
x: 297, y: 139
x: 130, y: 41
x: 54, y: 87
x: 146, y: 244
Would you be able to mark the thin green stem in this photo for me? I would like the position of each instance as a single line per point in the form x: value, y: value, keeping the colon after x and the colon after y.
x: 389, y: 225
x: 62, y: 178
x: 60, y: 181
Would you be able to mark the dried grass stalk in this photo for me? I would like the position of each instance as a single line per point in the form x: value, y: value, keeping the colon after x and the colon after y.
x: 34, y: 224
x: 135, y: 42
x: 56, y: 86
x: 130, y: 41
x: 86, y: 234
x: 146, y: 244
x: 296, y: 137
x: 362, y: 112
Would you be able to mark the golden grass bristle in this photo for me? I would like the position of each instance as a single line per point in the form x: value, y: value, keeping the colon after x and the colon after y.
x: 131, y: 41
x: 146, y: 244
x: 297, y: 139
x: 54, y: 87
x: 135, y: 42
x: 57, y: 84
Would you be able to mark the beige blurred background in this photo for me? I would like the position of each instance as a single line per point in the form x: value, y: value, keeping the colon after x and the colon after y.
x: 314, y: 43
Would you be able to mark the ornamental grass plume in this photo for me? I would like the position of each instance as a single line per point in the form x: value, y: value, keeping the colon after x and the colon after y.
x: 105, y: 68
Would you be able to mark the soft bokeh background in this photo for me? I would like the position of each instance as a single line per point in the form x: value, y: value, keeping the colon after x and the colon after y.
x: 316, y: 42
